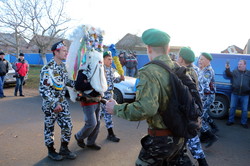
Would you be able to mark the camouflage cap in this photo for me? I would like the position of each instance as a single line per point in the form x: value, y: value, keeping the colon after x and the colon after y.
x: 187, y: 54
x: 155, y: 38
x: 207, y: 55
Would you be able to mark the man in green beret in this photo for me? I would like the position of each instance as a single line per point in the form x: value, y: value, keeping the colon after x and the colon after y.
x: 207, y: 91
x: 152, y: 94
x: 186, y: 59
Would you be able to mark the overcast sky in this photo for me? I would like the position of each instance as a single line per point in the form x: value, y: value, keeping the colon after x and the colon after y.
x: 204, y: 25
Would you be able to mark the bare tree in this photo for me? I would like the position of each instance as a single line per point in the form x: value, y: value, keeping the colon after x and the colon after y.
x: 39, y: 21
x: 11, y: 17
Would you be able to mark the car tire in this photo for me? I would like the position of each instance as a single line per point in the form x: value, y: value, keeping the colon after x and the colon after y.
x: 118, y: 96
x: 219, y: 108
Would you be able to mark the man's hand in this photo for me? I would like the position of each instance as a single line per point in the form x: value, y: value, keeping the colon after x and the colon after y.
x: 58, y: 108
x: 110, y: 106
x: 122, y: 77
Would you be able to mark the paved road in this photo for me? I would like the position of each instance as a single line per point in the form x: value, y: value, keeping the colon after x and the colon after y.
x: 21, y: 138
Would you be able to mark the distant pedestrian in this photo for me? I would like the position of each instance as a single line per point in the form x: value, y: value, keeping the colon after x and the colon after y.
x: 241, y: 91
x: 122, y: 59
x: 21, y: 66
x: 131, y: 65
x: 4, y: 68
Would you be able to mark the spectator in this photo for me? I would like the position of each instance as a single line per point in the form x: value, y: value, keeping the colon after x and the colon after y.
x: 122, y: 59
x: 241, y: 90
x: 21, y: 67
x: 131, y: 65
x: 4, y: 68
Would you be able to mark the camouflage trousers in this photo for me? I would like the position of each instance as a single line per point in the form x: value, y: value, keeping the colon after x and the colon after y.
x: 206, y: 119
x: 194, y: 145
x: 107, y: 117
x: 63, y: 120
x: 156, y: 151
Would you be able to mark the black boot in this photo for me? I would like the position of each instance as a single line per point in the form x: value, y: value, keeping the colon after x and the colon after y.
x: 214, y: 127
x: 202, y: 162
x: 53, y: 154
x: 111, y: 136
x: 204, y: 137
x: 65, y: 152
x: 212, y: 138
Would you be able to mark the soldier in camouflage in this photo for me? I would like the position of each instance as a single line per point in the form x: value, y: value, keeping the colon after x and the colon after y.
x: 53, y: 80
x: 186, y: 58
x: 109, y: 73
x: 152, y: 94
x: 207, y: 92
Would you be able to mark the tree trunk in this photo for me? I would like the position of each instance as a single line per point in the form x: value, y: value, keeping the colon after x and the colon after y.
x: 43, y: 56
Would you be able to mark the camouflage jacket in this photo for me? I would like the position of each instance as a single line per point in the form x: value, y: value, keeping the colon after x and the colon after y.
x: 111, y: 79
x: 192, y: 72
x: 152, y: 94
x: 53, y: 89
x: 206, y: 81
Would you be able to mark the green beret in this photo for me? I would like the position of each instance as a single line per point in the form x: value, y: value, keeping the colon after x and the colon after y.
x: 207, y: 55
x: 107, y: 53
x: 155, y: 38
x: 187, y: 54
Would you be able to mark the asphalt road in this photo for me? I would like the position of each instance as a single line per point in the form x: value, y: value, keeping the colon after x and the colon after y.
x: 21, y: 138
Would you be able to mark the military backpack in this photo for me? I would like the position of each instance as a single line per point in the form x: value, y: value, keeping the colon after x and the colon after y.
x: 185, y: 106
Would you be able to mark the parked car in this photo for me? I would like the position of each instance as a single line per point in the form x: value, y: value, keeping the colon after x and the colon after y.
x: 124, y: 90
x: 10, y: 79
x: 220, y: 108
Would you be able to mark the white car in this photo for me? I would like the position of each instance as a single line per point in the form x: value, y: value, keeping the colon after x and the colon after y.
x: 124, y: 91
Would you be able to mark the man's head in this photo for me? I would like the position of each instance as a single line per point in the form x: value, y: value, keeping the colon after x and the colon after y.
x: 242, y: 65
x: 107, y: 58
x: 186, y: 56
x: 204, y: 60
x: 21, y: 56
x: 157, y: 42
x: 2, y: 55
x: 59, y: 50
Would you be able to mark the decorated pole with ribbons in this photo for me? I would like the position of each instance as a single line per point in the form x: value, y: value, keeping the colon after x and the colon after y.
x: 116, y: 60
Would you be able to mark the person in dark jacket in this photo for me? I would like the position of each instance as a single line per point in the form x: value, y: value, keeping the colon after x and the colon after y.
x: 4, y: 68
x: 241, y: 90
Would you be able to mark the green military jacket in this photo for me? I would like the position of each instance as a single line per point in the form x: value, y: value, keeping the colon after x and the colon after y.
x: 193, y: 74
x: 152, y: 94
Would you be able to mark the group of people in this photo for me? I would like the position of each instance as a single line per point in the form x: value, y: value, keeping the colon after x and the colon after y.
x: 53, y: 82
x: 153, y: 92
x: 129, y: 63
x: 21, y: 67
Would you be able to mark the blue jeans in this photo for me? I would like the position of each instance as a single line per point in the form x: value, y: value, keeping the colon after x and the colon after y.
x: 19, y: 85
x: 130, y: 72
x: 244, y: 107
x: 1, y: 85
x: 92, y: 124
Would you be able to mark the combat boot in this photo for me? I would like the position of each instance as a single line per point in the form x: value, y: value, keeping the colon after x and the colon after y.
x: 111, y: 136
x: 202, y: 162
x: 212, y: 138
x: 214, y: 127
x: 65, y: 152
x: 53, y: 154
